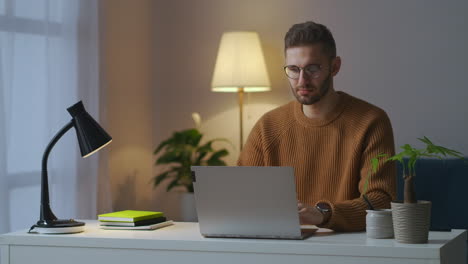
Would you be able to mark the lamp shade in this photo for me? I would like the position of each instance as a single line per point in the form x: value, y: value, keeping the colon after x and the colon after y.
x: 240, y: 64
x: 91, y: 136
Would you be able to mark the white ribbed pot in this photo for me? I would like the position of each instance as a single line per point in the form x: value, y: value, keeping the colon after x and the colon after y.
x: 379, y: 223
x: 411, y: 221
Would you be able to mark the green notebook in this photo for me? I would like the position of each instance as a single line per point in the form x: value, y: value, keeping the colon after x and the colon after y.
x: 129, y: 216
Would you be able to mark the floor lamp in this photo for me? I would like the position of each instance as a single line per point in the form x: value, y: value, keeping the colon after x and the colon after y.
x: 240, y: 67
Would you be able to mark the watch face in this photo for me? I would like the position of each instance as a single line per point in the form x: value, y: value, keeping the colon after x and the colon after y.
x: 323, y: 207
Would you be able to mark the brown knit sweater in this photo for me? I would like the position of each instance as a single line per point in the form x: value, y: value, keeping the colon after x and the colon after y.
x: 330, y: 156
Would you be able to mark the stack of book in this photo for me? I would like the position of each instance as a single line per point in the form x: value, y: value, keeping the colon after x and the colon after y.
x: 131, y: 219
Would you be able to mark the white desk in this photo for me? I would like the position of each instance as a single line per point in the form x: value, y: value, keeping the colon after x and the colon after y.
x: 182, y: 243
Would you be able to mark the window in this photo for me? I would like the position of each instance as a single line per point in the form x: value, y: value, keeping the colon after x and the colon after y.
x: 30, y: 35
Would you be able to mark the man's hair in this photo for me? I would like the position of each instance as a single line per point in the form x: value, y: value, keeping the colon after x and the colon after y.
x: 309, y: 33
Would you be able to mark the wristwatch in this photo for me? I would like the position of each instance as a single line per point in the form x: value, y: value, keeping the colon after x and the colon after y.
x: 325, y: 210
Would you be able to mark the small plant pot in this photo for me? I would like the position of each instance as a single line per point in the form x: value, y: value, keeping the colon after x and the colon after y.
x: 411, y: 221
x: 379, y: 223
x: 188, y: 211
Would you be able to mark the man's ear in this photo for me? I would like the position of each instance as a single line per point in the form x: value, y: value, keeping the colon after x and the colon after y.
x: 336, y: 65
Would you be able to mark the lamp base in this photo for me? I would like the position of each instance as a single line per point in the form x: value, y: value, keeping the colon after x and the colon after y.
x: 60, y: 226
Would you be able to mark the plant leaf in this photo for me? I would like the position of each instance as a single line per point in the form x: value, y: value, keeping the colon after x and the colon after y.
x: 203, y: 151
x: 426, y: 140
x: 375, y: 165
x: 169, y: 157
x: 190, y: 137
x: 161, y: 177
x: 215, y: 159
x: 219, y: 154
x: 215, y: 162
x: 205, y: 147
x: 173, y: 184
x: 163, y: 144
x: 366, y: 183
x: 436, y: 151
x: 412, y: 163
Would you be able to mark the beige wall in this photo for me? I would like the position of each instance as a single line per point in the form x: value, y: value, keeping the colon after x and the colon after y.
x: 128, y: 69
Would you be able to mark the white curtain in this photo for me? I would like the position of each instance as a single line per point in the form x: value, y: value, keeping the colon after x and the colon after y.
x: 49, y: 60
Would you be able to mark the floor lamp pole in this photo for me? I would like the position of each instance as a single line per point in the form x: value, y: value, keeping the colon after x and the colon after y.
x: 241, y: 104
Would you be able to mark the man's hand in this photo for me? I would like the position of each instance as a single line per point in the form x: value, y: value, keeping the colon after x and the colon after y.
x: 309, y: 215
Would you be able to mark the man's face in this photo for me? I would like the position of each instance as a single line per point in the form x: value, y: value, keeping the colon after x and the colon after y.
x: 313, y: 83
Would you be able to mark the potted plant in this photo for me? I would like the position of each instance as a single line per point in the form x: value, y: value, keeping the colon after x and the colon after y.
x: 411, y: 218
x: 181, y: 151
x: 175, y: 157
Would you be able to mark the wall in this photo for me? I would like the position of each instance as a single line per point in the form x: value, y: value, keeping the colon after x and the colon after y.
x: 408, y: 57
x: 128, y: 68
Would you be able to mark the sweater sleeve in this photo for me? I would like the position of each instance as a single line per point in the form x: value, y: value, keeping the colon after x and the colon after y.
x: 350, y: 215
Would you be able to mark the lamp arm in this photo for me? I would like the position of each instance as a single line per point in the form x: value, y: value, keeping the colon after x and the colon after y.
x: 46, y: 212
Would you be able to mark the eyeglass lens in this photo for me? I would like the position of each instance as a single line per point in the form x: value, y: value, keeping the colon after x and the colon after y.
x: 293, y: 72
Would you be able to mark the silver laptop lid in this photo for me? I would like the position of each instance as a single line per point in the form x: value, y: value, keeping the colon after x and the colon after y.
x: 257, y: 202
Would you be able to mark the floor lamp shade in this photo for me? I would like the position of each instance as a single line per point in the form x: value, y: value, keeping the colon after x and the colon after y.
x: 240, y: 67
x: 91, y: 138
x: 240, y: 64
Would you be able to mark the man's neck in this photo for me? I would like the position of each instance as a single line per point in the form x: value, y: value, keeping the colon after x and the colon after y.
x: 320, y: 109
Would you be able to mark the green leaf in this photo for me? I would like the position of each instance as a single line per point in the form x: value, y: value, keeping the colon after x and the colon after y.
x: 407, y: 147
x: 219, y: 154
x: 215, y: 162
x: 375, y: 164
x: 169, y: 157
x: 163, y: 144
x: 205, y: 148
x: 399, y: 157
x: 203, y: 151
x: 366, y: 183
x: 426, y: 140
x: 188, y: 137
x: 161, y: 177
x: 173, y: 184
x: 439, y: 151
x: 215, y: 159
x: 412, y: 163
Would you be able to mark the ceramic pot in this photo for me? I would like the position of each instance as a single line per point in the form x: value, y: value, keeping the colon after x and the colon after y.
x: 188, y: 211
x: 379, y: 223
x: 411, y: 221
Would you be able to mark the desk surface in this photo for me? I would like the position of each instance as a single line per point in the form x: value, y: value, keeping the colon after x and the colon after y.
x: 186, y: 236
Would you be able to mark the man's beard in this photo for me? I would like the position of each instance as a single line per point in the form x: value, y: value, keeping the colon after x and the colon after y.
x: 313, y: 98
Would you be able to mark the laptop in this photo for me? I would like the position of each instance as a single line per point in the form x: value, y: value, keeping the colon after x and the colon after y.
x: 247, y: 202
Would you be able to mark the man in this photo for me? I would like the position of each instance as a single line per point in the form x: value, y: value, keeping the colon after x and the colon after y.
x: 329, y: 137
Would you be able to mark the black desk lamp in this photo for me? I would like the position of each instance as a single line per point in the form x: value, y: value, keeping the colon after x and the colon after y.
x: 91, y: 138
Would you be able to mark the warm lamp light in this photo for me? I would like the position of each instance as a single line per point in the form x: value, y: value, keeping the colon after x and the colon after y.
x: 91, y: 138
x: 240, y: 67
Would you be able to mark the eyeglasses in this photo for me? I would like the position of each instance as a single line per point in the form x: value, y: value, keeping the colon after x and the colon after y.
x: 312, y: 71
